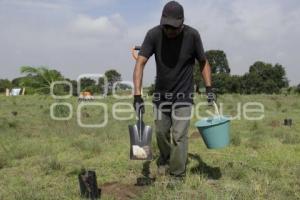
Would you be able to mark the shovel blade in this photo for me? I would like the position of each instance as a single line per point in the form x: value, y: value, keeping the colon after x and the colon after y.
x: 140, y: 143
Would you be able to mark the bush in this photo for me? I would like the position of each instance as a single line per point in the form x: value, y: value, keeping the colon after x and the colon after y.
x: 4, y: 83
x: 298, y: 89
x: 151, y: 89
x: 29, y: 91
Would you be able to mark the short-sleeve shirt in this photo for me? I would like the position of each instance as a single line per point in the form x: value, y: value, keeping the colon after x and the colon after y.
x: 175, y: 60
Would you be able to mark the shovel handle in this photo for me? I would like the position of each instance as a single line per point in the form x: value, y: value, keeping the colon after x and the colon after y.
x: 134, y: 52
x: 140, y: 115
x: 137, y: 48
x: 140, y: 124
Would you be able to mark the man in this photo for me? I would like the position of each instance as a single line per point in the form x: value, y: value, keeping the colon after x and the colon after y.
x: 176, y: 47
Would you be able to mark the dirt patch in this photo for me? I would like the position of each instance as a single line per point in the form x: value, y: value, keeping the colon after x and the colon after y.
x: 121, y: 191
x: 195, y: 135
x: 275, y: 124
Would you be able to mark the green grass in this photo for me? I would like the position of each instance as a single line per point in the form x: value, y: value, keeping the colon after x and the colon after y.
x: 40, y: 158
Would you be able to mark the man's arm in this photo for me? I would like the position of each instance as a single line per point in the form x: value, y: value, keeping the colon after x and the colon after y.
x: 206, y: 73
x: 200, y: 56
x: 138, y: 74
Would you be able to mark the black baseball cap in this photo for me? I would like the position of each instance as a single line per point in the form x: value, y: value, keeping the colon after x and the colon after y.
x: 172, y: 14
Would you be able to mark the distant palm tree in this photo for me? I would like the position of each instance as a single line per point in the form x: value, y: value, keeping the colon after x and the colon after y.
x: 40, y: 78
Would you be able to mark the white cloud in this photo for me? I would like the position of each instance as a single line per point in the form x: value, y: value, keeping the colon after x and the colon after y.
x: 101, y: 26
x: 54, y: 4
x: 30, y: 3
x: 249, y: 30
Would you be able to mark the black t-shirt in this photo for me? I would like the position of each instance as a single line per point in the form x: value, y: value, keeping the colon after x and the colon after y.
x: 175, y: 60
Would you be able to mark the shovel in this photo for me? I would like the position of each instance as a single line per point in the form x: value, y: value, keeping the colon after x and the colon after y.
x: 140, y: 140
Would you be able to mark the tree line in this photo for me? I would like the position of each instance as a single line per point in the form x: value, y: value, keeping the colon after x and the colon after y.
x: 261, y: 78
x: 38, y: 80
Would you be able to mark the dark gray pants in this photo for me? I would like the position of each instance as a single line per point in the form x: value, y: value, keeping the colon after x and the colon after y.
x: 172, y: 138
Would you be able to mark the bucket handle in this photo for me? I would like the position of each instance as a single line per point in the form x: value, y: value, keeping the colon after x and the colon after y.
x: 217, y: 109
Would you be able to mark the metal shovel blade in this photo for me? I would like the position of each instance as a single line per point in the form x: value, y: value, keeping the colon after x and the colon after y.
x: 140, y: 141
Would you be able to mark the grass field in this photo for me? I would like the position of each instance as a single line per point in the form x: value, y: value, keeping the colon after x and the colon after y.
x: 40, y: 158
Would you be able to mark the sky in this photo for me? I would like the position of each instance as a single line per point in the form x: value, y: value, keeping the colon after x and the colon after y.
x: 91, y: 36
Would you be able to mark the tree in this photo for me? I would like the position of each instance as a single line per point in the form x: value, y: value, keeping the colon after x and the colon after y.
x: 74, y: 85
x: 233, y: 84
x: 101, y: 85
x: 91, y: 85
x: 5, y: 83
x: 40, y: 78
x: 219, y: 64
x: 112, y: 77
x: 17, y: 82
x: 123, y: 86
x: 270, y: 87
x: 220, y: 82
x: 266, y: 78
x: 22, y: 82
x: 66, y: 88
x: 86, y: 84
x: 250, y: 83
x: 218, y: 61
x: 279, y: 75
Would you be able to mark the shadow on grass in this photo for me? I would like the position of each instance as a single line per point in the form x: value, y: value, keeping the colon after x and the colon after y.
x: 203, y: 169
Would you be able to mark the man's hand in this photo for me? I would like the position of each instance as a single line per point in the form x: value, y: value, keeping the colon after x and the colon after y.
x: 138, y: 104
x: 211, y: 96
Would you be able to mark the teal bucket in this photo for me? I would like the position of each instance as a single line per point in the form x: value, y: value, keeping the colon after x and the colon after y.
x: 214, y: 131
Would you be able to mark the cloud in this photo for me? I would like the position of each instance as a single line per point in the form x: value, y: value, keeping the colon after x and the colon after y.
x: 103, y: 26
x: 55, y: 4
x: 58, y: 35
x: 249, y: 30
